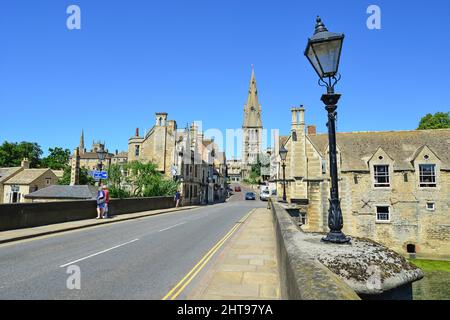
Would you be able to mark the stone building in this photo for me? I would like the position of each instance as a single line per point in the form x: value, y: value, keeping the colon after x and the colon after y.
x: 394, y: 185
x: 22, y: 180
x: 89, y: 159
x: 234, y: 170
x: 180, y: 154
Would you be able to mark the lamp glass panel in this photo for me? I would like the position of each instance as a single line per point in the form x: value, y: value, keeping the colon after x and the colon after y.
x: 313, y: 60
x: 328, y: 54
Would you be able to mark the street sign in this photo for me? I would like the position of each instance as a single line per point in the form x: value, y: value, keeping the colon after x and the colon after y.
x: 100, y: 175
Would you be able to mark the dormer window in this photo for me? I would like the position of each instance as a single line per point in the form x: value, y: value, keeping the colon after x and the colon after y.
x: 381, y: 176
x: 427, y: 175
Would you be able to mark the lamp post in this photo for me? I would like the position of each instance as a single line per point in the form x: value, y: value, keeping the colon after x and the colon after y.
x: 101, y: 155
x: 283, y: 155
x: 323, y: 52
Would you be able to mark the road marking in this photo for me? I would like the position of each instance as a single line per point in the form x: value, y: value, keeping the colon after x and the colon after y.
x: 96, y: 254
x: 176, y: 225
x: 180, y: 286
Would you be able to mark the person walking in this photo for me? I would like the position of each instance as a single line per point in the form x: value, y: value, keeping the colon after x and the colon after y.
x: 100, y: 202
x: 106, y: 208
x: 177, y: 199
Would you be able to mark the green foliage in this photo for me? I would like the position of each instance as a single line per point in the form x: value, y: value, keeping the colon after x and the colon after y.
x: 255, y: 174
x: 85, y: 178
x: 58, y: 159
x: 115, y: 181
x: 11, y: 154
x: 440, y: 120
x: 148, y: 182
x: 431, y: 265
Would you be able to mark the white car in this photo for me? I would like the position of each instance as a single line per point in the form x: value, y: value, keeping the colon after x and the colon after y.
x: 264, y: 195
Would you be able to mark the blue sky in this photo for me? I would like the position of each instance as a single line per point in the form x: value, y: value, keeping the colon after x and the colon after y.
x: 193, y: 60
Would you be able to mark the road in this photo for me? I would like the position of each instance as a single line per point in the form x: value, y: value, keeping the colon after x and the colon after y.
x: 135, y: 259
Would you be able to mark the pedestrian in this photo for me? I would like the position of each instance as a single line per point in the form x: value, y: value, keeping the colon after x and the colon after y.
x: 177, y: 199
x: 106, y: 208
x: 100, y: 202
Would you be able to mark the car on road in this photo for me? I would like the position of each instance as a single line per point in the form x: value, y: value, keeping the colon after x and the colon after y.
x: 250, y: 196
x: 237, y: 189
x: 264, y: 195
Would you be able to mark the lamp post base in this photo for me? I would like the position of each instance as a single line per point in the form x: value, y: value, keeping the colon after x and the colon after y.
x: 336, y: 237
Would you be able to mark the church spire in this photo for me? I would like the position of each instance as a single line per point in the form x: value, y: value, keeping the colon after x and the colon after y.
x: 81, y: 146
x: 252, y: 110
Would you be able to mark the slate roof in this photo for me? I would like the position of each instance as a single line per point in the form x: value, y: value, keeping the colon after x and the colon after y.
x: 27, y: 176
x: 402, y: 146
x: 5, y: 173
x: 64, y: 192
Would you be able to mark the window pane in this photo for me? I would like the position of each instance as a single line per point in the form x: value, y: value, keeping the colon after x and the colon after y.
x: 381, y: 175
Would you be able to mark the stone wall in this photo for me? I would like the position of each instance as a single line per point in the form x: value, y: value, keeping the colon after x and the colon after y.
x: 26, y: 215
x: 302, y: 277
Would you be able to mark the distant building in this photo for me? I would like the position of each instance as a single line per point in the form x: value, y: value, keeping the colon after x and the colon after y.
x: 394, y: 185
x: 234, y: 167
x: 63, y: 193
x: 89, y: 159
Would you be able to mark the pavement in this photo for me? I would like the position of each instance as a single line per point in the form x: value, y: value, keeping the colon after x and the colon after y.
x: 247, y: 267
x: 143, y: 257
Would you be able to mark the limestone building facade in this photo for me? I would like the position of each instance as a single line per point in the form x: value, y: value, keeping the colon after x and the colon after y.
x: 185, y: 156
x: 23, y: 180
x: 394, y: 185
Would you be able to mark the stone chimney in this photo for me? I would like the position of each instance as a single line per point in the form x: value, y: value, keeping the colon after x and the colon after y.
x: 312, y: 131
x: 25, y: 163
x: 298, y: 118
x: 75, y: 169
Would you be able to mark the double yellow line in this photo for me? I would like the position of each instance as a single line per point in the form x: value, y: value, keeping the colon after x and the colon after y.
x: 178, y: 289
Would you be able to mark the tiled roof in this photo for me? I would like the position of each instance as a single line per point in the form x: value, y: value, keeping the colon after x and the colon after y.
x: 5, y: 173
x: 27, y: 176
x: 121, y: 155
x: 357, y: 147
x: 64, y: 192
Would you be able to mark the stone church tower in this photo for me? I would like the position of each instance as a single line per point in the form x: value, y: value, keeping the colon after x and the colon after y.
x: 251, y: 128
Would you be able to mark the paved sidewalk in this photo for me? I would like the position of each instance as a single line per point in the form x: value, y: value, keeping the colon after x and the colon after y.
x: 20, y: 234
x: 247, y: 267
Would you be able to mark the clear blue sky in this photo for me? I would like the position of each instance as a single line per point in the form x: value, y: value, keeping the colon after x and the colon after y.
x: 193, y: 60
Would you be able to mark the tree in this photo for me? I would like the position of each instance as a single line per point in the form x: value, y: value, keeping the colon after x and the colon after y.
x: 116, y: 180
x: 85, y: 178
x: 148, y: 182
x: 440, y: 120
x: 58, y: 159
x: 12, y: 154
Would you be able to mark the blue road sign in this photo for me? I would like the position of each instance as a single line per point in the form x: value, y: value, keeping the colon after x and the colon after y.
x: 100, y: 175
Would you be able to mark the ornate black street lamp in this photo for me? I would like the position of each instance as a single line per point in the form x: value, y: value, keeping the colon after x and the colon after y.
x: 101, y: 155
x: 283, y: 155
x: 324, y: 52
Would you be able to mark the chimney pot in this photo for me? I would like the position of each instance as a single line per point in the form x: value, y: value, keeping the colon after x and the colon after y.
x: 137, y: 132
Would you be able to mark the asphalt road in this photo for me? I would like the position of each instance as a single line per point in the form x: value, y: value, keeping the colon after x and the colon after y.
x: 135, y: 259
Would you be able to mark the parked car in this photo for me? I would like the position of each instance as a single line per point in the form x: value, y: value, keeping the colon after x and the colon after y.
x: 250, y: 196
x: 237, y: 189
x: 264, y: 195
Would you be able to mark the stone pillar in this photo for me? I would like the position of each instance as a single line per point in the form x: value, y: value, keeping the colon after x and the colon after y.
x: 75, y: 170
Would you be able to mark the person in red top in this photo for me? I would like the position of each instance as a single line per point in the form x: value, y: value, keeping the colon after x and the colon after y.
x: 106, y: 209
